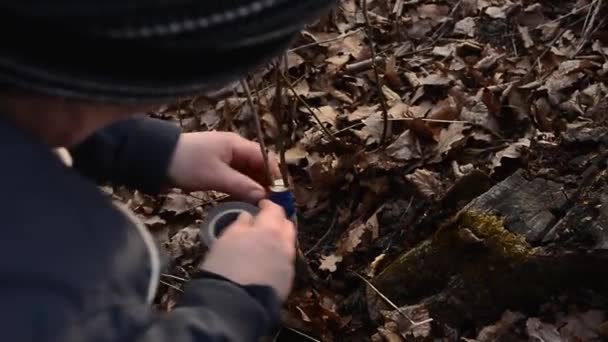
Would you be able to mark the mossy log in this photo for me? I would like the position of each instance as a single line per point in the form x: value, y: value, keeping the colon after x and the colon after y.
x: 488, y: 257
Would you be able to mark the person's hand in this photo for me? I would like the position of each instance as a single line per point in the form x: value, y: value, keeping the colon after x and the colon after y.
x: 223, y: 162
x: 257, y: 251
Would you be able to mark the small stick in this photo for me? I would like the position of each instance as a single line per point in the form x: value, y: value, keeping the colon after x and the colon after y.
x: 258, y: 127
x: 173, y: 277
x: 361, y: 65
x: 302, y: 334
x: 342, y: 36
x: 331, y: 227
x: 414, y: 324
x: 281, y: 120
x: 372, y: 50
x: 171, y: 286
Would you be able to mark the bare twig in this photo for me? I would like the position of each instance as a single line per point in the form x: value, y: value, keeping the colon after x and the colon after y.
x: 361, y: 65
x: 174, y: 277
x: 342, y: 36
x: 389, y: 302
x: 302, y: 334
x: 372, y: 49
x: 258, y: 127
x: 171, y: 286
x: 327, y: 133
x: 438, y: 33
x: 281, y: 120
x: 565, y: 16
x: 589, y: 24
x: 331, y: 227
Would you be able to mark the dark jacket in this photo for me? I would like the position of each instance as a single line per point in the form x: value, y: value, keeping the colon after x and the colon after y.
x: 73, y: 267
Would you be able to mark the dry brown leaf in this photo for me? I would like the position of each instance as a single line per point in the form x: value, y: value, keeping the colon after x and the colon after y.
x: 427, y: 182
x: 363, y: 112
x: 153, y: 221
x: 270, y: 125
x: 479, y: 115
x: 294, y: 60
x: 178, y: 204
x: 374, y: 125
x: 494, y: 332
x: 183, y: 243
x: 390, y: 71
x: 302, y: 88
x: 356, y: 232
x: 295, y: 155
x: 330, y: 262
x: 340, y: 95
x: 435, y: 13
x: 496, y: 12
x: 404, y: 317
x: 466, y: 27
x: 443, y: 51
x: 488, y: 62
x: 513, y: 151
x: 450, y: 137
x: 524, y: 33
x: 405, y: 147
x: 436, y: 80
x: 399, y: 110
x: 543, y: 331
x: 581, y: 326
x: 390, y: 95
x: 327, y: 114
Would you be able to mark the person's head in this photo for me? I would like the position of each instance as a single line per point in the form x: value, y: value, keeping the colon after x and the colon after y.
x: 83, y: 64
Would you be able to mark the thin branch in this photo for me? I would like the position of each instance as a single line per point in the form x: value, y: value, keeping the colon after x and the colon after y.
x: 372, y: 50
x: 438, y: 33
x: 302, y: 334
x: 327, y: 133
x: 589, y: 24
x: 342, y: 36
x: 172, y: 286
x: 331, y: 227
x: 414, y: 324
x: 173, y: 277
x: 258, y: 127
x: 281, y: 120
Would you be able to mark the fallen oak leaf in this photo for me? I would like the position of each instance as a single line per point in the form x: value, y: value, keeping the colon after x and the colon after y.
x: 427, y: 183
x: 354, y: 236
x: 330, y: 262
x: 294, y: 155
x: 363, y: 112
x: 405, y: 147
x: 513, y: 151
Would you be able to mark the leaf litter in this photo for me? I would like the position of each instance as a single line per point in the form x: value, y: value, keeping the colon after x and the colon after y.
x: 469, y: 83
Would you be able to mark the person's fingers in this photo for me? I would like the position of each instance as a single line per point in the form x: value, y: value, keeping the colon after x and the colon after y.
x: 272, y: 209
x: 242, y: 223
x: 238, y: 185
x: 247, y: 158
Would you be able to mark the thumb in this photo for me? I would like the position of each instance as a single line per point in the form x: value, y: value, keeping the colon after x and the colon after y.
x: 239, y: 185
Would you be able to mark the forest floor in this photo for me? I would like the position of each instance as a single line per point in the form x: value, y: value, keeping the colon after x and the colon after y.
x: 390, y: 119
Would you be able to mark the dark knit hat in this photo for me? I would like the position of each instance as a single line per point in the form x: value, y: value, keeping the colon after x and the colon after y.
x: 139, y: 50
